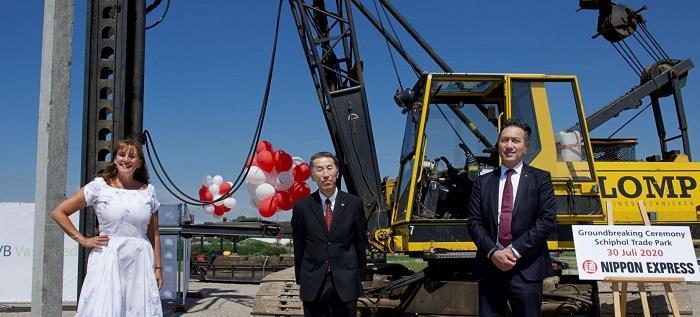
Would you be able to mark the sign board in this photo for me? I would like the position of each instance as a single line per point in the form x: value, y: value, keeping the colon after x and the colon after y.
x: 16, y: 255
x: 169, y: 264
x: 635, y: 251
x: 174, y: 281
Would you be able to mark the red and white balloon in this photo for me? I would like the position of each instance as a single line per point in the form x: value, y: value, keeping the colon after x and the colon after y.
x: 212, y: 189
x: 275, y: 179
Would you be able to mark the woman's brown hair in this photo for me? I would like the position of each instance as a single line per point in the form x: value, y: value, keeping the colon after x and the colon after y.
x: 141, y: 173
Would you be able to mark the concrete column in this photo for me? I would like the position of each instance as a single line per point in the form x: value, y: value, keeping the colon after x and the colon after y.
x: 51, y: 156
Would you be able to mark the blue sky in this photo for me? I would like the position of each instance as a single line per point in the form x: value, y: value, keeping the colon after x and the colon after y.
x: 206, y: 66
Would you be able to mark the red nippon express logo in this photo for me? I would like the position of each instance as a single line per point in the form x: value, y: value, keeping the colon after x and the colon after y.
x: 589, y: 266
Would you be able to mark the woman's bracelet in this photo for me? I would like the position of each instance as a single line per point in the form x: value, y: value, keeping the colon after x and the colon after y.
x: 158, y: 268
x: 78, y: 238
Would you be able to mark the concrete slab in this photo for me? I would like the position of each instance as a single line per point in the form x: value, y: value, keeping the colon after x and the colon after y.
x: 217, y: 300
x: 226, y: 299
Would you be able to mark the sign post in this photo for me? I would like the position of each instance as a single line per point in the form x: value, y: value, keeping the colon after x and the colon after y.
x: 636, y: 254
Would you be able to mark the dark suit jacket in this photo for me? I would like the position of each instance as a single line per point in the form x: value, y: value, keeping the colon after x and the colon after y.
x: 343, y: 248
x: 534, y: 218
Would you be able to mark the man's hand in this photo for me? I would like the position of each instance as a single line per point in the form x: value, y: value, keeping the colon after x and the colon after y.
x: 504, y: 259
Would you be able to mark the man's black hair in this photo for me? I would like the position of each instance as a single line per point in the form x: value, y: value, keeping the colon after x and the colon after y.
x: 324, y: 154
x: 515, y: 122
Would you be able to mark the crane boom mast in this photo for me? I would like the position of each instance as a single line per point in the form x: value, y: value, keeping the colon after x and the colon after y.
x: 330, y: 47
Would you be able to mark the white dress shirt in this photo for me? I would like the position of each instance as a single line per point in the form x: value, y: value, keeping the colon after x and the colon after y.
x: 332, y: 198
x: 515, y: 181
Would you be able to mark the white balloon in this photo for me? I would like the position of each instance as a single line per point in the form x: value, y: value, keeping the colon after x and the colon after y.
x: 251, y: 188
x: 255, y: 175
x: 271, y: 178
x: 218, y: 180
x: 218, y: 203
x: 296, y: 161
x: 214, y: 189
x: 230, y: 202
x: 207, y: 181
x: 253, y: 202
x: 264, y: 190
x: 285, y: 180
x: 208, y: 209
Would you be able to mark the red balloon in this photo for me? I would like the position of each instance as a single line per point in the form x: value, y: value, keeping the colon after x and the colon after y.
x: 250, y: 161
x: 306, y: 190
x: 206, y: 196
x: 202, y: 191
x: 301, y: 172
x: 265, y: 160
x: 283, y: 161
x: 224, y: 188
x: 299, y: 190
x: 267, y: 207
x: 284, y: 200
x: 219, y: 210
x: 263, y: 146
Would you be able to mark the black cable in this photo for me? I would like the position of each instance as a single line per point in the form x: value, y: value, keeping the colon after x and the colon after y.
x: 567, y: 296
x: 406, y: 280
x: 162, y: 16
x: 391, y: 26
x: 265, y: 99
x: 192, y: 200
x: 653, y: 44
x: 628, y: 121
x: 244, y: 172
x: 256, y: 137
x: 396, y: 36
x: 153, y: 5
x: 643, y: 27
x: 635, y: 59
x: 629, y: 63
x: 195, y: 200
x: 388, y: 47
x: 647, y: 47
x: 578, y: 291
x: 150, y: 145
x: 155, y: 170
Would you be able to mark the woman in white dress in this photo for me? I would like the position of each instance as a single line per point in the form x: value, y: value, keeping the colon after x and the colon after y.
x: 124, y: 269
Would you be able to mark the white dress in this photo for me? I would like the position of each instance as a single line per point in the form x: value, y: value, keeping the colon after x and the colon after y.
x: 120, y: 279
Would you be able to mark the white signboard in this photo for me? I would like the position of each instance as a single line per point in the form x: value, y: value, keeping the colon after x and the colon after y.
x: 16, y: 255
x: 635, y: 251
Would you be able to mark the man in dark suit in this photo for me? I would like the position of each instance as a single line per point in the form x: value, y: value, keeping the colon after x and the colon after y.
x: 330, y: 239
x: 511, y: 213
